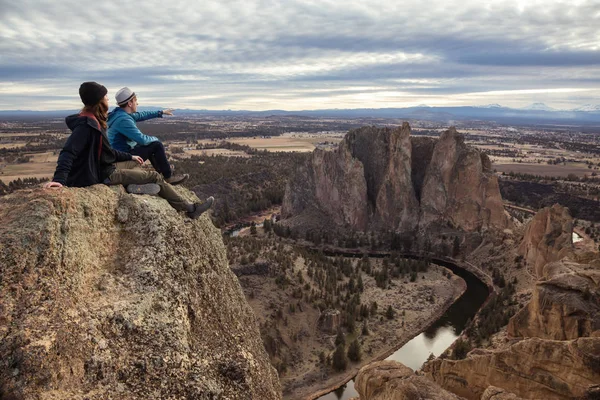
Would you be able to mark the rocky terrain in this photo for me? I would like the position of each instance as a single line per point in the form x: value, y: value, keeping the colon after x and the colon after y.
x: 109, y: 295
x: 383, y: 179
x: 306, y: 302
x: 550, y: 348
x: 548, y: 237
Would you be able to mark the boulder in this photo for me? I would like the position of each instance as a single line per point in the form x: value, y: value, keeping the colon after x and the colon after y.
x: 391, y: 380
x: 330, y: 321
x: 105, y: 294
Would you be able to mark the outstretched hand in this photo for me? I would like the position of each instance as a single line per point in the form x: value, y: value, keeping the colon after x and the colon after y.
x: 52, y: 185
x: 168, y: 111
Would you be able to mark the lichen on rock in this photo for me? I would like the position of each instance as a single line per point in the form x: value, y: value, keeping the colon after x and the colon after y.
x: 104, y: 294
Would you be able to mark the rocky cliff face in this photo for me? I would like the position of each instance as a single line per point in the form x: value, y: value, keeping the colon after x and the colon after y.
x: 548, y: 237
x: 565, y: 305
x: 110, y: 295
x: 556, y: 338
x: 532, y: 369
x: 381, y: 178
x: 460, y: 187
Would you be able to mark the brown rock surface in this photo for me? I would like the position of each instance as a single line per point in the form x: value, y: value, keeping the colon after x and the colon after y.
x: 566, y: 305
x: 332, y: 183
x: 386, y: 156
x: 532, y: 369
x: 391, y: 380
x: 381, y: 178
x: 330, y: 321
x: 109, y: 295
x: 548, y: 237
x: 495, y: 393
x: 460, y: 187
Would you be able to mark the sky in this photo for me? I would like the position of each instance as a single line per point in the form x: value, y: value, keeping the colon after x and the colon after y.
x: 302, y: 55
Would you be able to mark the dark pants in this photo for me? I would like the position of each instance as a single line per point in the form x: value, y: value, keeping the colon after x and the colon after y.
x: 155, y: 152
x: 126, y: 174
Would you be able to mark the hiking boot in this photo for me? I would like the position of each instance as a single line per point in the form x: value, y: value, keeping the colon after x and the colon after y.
x: 146, y: 188
x: 200, y: 208
x: 177, y: 179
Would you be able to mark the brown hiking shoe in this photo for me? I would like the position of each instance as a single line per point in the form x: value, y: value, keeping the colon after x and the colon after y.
x: 177, y: 179
x: 200, y: 208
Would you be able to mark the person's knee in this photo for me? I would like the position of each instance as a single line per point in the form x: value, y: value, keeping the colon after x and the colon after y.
x: 155, y: 177
x: 157, y: 146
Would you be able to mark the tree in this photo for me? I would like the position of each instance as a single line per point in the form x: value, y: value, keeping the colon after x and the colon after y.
x: 340, y: 339
x: 340, y: 361
x: 390, y: 312
x: 354, y: 353
x: 365, y: 329
x: 456, y: 246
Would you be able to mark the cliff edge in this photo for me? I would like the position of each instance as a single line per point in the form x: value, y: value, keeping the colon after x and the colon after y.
x: 109, y: 295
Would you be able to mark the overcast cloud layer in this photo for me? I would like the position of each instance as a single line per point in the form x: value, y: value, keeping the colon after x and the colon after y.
x: 296, y: 55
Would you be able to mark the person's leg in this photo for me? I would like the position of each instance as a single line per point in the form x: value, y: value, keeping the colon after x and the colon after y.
x: 127, y: 164
x: 140, y: 176
x: 155, y: 152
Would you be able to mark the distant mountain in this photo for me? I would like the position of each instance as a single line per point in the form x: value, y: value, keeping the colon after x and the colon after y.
x: 588, y: 108
x: 537, y: 113
x: 539, y: 107
x: 495, y: 105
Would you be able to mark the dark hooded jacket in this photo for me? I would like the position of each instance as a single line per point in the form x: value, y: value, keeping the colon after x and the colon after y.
x: 87, y: 158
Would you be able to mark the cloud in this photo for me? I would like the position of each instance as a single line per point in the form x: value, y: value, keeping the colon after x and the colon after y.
x: 258, y: 52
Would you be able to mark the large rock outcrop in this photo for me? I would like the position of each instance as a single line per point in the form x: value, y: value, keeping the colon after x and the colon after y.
x: 382, y: 179
x: 548, y: 237
x: 565, y: 304
x: 532, y: 369
x: 109, y: 295
x: 391, y: 380
x: 460, y: 186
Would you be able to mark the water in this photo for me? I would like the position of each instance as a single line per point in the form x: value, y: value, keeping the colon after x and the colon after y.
x: 438, y: 337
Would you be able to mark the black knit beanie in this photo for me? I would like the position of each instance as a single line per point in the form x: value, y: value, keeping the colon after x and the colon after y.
x: 91, y: 93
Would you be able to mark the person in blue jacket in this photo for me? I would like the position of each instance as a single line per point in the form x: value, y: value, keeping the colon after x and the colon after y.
x: 87, y: 157
x: 124, y: 135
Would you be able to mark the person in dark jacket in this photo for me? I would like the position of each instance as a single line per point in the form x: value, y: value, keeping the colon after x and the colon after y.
x: 88, y: 159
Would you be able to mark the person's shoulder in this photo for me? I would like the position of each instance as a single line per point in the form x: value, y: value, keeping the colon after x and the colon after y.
x: 118, y: 114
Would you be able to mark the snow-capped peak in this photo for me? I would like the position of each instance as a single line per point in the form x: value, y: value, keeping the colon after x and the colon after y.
x: 491, y: 106
x: 588, y: 108
x: 539, y: 107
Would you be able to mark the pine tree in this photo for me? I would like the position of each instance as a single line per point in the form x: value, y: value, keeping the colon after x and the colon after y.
x: 390, y: 312
x: 340, y: 361
x: 365, y: 329
x: 340, y: 339
x: 354, y: 352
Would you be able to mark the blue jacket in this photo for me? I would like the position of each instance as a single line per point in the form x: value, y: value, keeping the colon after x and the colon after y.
x: 124, y: 134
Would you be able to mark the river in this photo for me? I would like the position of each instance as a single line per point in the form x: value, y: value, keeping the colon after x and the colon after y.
x: 439, y: 336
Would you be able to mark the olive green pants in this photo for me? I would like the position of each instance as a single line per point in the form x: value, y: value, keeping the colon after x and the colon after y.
x: 127, y: 173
